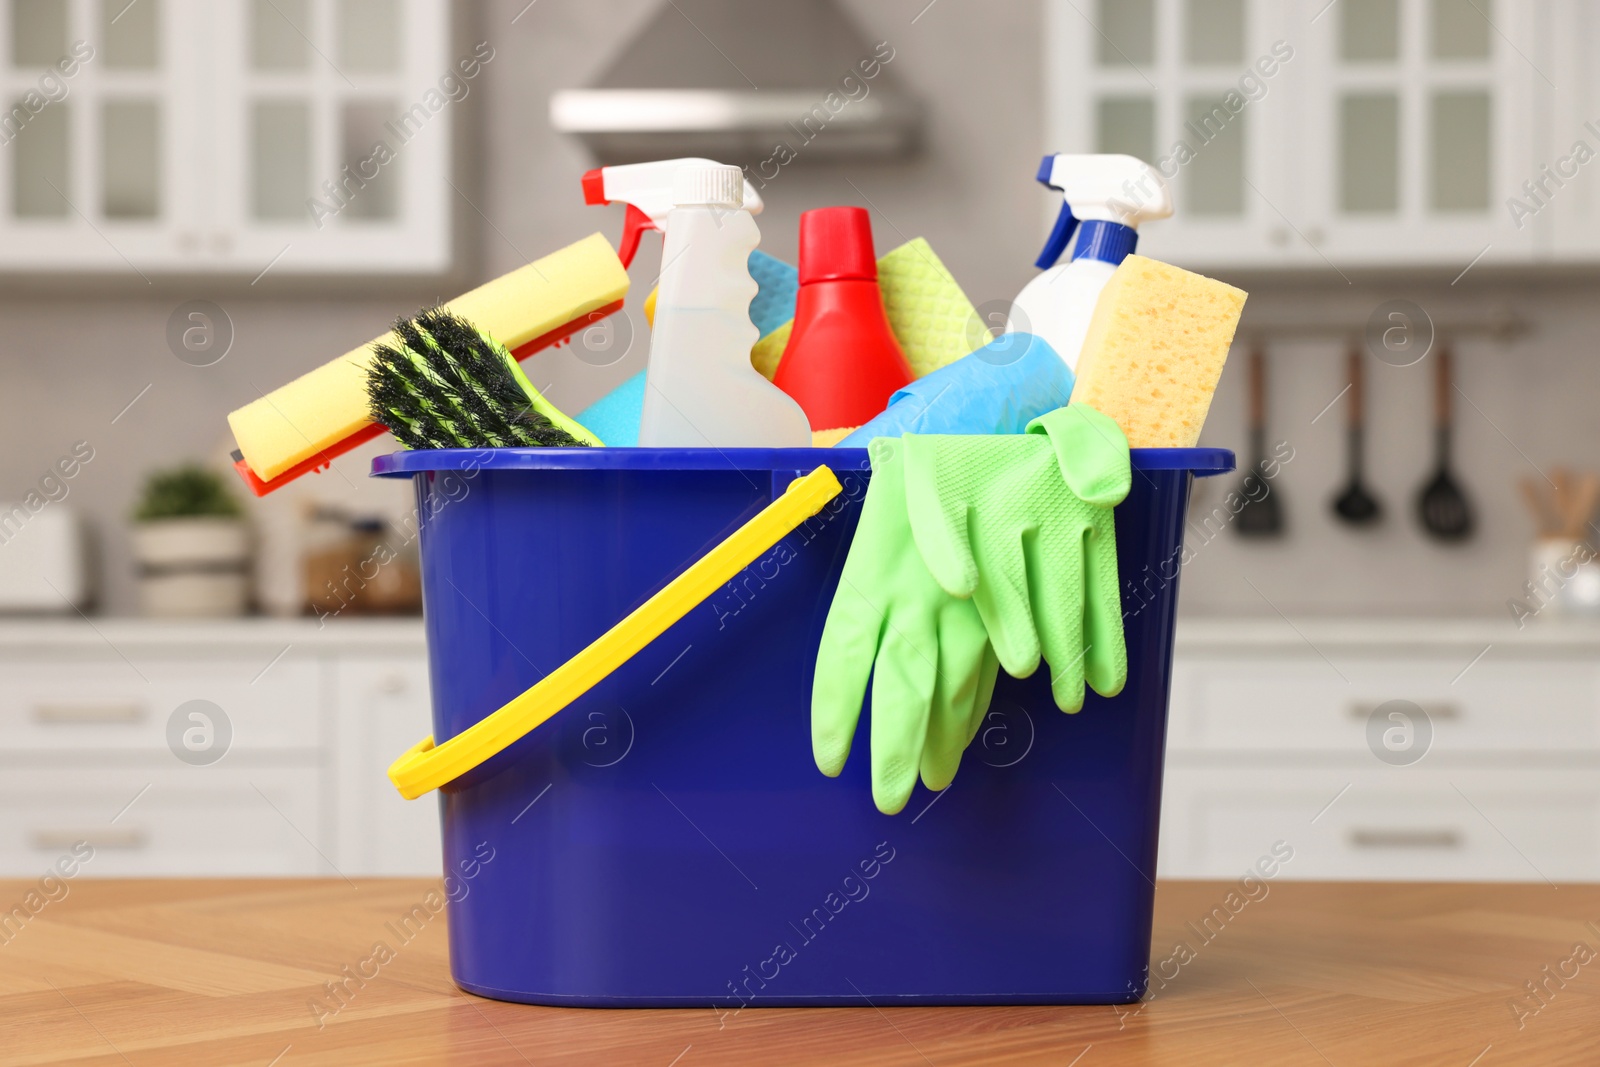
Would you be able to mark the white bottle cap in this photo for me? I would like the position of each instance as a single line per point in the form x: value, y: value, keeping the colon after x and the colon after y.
x: 713, y: 186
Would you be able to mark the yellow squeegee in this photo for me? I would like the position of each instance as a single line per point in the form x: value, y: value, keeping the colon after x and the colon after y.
x: 302, y: 426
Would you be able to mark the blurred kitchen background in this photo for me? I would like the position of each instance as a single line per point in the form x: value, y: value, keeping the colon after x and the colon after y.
x: 175, y: 242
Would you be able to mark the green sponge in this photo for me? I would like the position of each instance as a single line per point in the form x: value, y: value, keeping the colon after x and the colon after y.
x: 932, y: 318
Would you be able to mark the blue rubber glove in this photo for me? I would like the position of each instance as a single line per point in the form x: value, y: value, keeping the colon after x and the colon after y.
x: 995, y: 389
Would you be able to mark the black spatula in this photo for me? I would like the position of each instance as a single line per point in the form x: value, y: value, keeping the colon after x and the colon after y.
x: 1354, y: 504
x: 1442, y: 506
x: 1260, y: 516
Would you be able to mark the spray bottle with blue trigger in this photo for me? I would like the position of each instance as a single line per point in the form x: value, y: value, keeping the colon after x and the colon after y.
x: 1104, y: 198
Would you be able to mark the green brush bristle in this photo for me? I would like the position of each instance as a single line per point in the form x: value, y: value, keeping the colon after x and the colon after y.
x: 445, y: 384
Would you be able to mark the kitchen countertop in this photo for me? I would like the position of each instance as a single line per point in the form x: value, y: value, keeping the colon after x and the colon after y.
x: 222, y: 972
x: 372, y: 633
x: 1213, y: 633
x: 1196, y: 633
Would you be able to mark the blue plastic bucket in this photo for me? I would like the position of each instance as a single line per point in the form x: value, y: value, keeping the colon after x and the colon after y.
x: 667, y: 839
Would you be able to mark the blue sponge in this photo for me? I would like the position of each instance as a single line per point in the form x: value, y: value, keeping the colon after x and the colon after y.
x: 779, y: 287
x: 614, y: 418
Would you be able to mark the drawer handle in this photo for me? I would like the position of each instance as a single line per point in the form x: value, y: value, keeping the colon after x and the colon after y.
x: 101, y: 837
x: 1439, y: 711
x: 1360, y: 838
x: 86, y: 714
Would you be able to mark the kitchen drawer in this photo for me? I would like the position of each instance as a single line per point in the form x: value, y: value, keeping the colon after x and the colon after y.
x: 1393, y: 823
x: 104, y: 705
x: 188, y: 822
x: 1300, y: 703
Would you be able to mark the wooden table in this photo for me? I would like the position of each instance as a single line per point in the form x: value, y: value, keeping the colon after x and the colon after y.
x: 226, y: 972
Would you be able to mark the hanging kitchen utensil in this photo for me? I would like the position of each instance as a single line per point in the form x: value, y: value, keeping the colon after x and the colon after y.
x: 1261, y: 515
x: 1581, y: 506
x: 1442, y: 506
x: 1546, y: 522
x: 1355, y: 505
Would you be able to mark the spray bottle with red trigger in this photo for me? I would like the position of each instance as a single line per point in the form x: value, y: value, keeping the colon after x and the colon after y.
x: 646, y: 189
x: 700, y: 388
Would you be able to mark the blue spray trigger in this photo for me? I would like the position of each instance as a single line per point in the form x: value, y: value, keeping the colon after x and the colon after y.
x: 1060, y: 237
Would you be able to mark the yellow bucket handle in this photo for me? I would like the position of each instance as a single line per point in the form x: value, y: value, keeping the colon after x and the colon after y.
x: 426, y: 767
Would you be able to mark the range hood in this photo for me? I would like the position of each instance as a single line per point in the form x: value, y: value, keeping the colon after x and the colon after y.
x: 745, y: 82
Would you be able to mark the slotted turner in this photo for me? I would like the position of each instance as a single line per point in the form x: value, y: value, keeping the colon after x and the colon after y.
x: 1442, y: 505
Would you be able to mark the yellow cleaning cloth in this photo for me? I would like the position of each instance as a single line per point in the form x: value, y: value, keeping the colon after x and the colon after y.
x: 319, y: 409
x: 766, y: 352
x: 1155, y: 350
x: 829, y: 438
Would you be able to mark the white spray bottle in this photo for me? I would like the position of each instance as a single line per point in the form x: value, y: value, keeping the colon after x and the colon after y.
x: 1105, y: 197
x: 701, y: 390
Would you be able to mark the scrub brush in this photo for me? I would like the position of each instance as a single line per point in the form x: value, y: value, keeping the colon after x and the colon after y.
x: 440, y: 382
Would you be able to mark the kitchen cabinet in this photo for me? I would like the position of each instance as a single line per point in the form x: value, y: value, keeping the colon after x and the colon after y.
x: 1398, y: 750
x: 1359, y: 133
x: 238, y: 747
x: 188, y: 136
x: 1270, y: 737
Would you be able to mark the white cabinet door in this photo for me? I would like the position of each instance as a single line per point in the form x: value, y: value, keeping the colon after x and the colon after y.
x: 1200, y: 89
x: 1558, y: 200
x: 100, y: 143
x: 1359, y: 133
x: 381, y: 709
x: 332, y: 124
x: 188, y: 136
x: 1424, y: 117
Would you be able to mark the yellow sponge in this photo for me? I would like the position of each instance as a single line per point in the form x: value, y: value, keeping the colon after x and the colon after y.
x: 1155, y: 350
x: 324, y: 407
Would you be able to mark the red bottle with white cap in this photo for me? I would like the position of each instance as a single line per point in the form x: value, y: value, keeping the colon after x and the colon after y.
x: 842, y: 362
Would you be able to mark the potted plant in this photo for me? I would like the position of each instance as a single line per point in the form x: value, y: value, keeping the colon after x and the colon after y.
x: 192, y: 546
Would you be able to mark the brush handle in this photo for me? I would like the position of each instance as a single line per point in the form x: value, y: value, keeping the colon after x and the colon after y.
x: 1541, y: 517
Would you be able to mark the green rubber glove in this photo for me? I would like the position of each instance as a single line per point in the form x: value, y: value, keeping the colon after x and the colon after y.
x: 1022, y: 524
x: 933, y: 669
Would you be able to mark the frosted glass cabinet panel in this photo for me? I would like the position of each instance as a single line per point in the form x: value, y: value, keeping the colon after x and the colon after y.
x: 183, y: 136
x: 1434, y: 114
x: 1180, y: 84
x: 1303, y: 133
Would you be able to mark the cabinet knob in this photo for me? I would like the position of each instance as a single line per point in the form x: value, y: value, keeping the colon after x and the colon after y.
x: 188, y: 241
x: 1315, y: 236
x: 221, y: 243
x: 392, y: 685
x: 1279, y: 235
